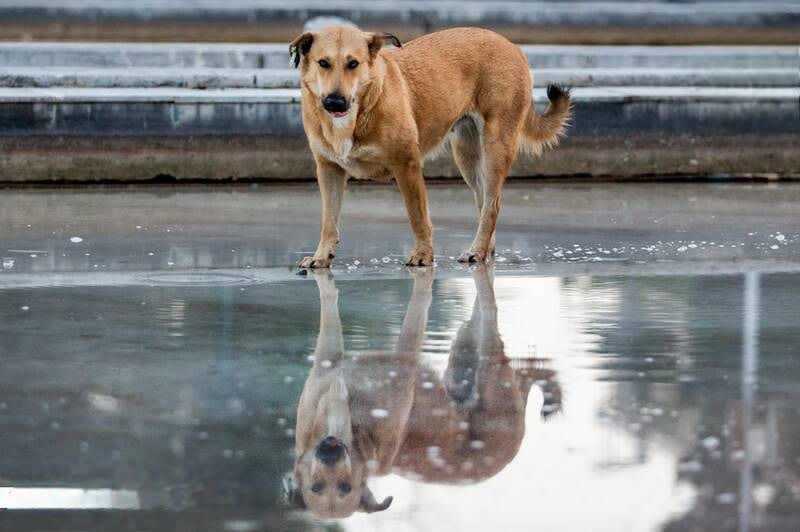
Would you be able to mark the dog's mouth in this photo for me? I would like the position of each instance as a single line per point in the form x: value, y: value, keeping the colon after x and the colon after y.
x: 339, y: 114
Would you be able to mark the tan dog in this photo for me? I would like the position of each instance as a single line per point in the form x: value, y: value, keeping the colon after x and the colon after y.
x: 374, y: 414
x: 374, y: 113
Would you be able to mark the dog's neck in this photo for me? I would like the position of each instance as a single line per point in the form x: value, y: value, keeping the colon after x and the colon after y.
x: 333, y: 413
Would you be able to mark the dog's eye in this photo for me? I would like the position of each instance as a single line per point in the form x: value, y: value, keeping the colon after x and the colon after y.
x: 317, y: 487
x: 324, y: 63
x: 352, y: 64
x: 345, y: 488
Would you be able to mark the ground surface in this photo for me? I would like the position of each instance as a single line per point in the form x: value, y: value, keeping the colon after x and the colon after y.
x: 155, y: 342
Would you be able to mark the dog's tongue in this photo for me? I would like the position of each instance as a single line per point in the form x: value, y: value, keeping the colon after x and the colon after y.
x: 338, y: 114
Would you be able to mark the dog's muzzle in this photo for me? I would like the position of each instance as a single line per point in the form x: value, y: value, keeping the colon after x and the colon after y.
x: 330, y: 450
x: 335, y: 104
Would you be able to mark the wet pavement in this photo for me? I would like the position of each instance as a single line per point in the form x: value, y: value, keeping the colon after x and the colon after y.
x: 629, y: 362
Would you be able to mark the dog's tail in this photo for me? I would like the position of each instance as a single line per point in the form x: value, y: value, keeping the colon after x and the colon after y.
x: 545, y: 130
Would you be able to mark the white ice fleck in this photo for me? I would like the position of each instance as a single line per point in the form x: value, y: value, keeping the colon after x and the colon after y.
x: 379, y: 413
x: 780, y: 237
x: 432, y: 451
x: 477, y: 444
x: 326, y: 363
x: 763, y: 494
x: 726, y: 498
x: 242, y: 526
x: 427, y: 385
x: 774, y: 246
x: 710, y: 443
x: 25, y: 308
x: 76, y: 239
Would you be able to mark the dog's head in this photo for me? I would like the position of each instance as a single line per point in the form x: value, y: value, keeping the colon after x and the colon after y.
x: 337, y: 64
x: 330, y: 481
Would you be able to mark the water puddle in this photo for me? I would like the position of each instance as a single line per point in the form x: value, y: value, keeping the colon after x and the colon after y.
x: 469, y: 400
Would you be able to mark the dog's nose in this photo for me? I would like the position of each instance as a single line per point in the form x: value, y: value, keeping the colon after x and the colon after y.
x: 330, y: 450
x: 335, y: 103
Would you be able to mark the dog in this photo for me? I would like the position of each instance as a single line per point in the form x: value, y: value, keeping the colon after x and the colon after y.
x: 371, y: 112
x: 375, y: 414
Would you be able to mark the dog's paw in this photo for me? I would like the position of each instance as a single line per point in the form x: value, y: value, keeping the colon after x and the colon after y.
x: 473, y: 255
x: 315, y: 262
x: 421, y: 256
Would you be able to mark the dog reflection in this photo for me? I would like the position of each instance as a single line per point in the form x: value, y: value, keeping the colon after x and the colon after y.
x: 371, y: 415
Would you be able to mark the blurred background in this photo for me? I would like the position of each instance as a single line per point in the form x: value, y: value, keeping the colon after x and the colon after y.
x: 523, y: 21
x: 118, y: 91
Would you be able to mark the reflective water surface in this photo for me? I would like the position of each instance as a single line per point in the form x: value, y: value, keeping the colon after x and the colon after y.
x: 655, y: 396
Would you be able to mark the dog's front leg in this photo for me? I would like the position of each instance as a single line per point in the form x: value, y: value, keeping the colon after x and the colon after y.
x: 332, y: 181
x: 412, y: 186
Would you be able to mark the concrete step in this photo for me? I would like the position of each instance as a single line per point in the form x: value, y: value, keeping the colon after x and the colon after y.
x: 79, y: 134
x: 275, y: 55
x: 691, y: 21
x: 270, y: 96
x: 221, y: 78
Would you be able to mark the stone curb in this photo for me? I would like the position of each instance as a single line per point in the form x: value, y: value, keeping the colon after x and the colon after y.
x: 113, y: 135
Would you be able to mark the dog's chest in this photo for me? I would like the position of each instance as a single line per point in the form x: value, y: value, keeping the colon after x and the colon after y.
x: 361, y: 161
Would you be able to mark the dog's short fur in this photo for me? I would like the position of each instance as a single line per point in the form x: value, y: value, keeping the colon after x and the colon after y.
x: 390, y: 413
x: 375, y: 113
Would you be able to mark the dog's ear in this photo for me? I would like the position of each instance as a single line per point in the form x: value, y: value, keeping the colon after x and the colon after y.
x: 375, y: 42
x: 370, y: 505
x: 300, y: 47
x: 292, y: 495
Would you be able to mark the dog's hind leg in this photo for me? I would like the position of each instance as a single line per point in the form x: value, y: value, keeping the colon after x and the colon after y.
x: 499, y: 149
x: 465, y: 143
x: 477, y: 345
